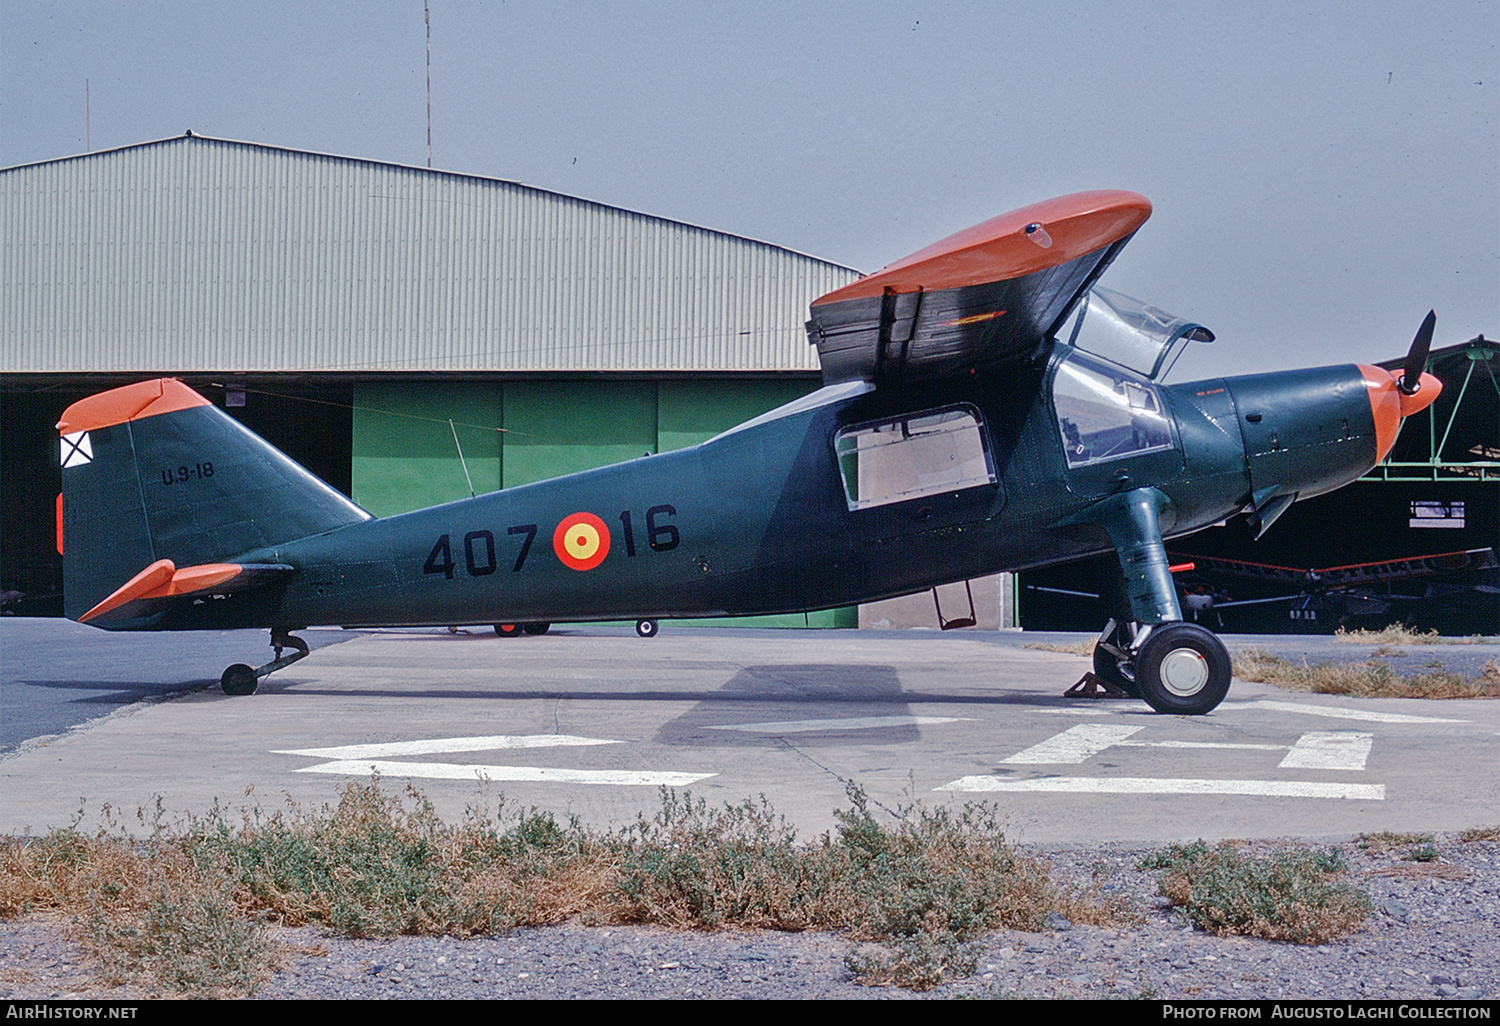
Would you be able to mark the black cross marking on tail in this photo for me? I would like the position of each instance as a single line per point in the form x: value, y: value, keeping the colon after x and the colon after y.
x: 77, y: 447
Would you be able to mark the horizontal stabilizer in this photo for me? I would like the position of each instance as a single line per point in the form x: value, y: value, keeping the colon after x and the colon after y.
x: 160, y: 585
x: 990, y: 295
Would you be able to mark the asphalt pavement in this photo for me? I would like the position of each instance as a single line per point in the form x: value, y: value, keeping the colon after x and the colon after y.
x: 592, y: 721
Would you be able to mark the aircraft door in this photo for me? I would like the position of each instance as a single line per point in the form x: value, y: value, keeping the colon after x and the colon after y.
x: 912, y: 481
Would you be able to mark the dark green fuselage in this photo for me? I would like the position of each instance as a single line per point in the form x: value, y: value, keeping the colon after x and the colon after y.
x: 757, y: 519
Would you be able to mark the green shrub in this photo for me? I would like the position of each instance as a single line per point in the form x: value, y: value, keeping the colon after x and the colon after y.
x: 1288, y: 896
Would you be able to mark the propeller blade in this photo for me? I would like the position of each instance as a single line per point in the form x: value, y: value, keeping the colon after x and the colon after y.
x: 1416, y: 357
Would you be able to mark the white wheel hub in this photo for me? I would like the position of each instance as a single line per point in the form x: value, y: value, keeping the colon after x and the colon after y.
x: 1184, y: 672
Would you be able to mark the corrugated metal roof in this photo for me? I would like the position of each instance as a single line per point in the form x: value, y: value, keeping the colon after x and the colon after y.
x: 196, y: 254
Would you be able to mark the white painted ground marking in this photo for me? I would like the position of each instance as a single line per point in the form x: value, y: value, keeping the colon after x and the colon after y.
x: 504, y: 774
x: 1076, y: 712
x: 1330, y: 750
x: 444, y: 744
x: 852, y: 723
x: 1331, y: 712
x: 1148, y: 785
x: 364, y: 760
x: 1074, y: 744
x: 1201, y: 744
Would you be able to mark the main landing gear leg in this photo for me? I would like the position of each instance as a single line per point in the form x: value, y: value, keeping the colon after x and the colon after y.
x: 1148, y: 650
x: 240, y: 679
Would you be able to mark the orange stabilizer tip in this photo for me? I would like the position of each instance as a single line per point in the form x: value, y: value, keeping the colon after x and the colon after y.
x: 128, y: 402
x: 1182, y: 568
x: 154, y: 576
x: 162, y: 580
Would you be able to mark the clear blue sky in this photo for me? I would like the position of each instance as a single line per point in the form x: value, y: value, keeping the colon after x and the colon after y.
x: 1323, y: 172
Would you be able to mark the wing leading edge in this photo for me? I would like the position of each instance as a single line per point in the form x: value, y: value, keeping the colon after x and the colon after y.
x: 989, y: 295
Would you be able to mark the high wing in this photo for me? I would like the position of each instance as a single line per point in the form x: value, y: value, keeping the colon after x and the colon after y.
x: 987, y: 296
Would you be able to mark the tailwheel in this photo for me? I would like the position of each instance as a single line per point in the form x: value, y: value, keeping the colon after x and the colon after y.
x: 1182, y: 669
x: 1113, y: 663
x: 646, y: 628
x: 239, y: 680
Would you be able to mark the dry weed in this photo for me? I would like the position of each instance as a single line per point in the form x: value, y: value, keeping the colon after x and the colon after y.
x: 1289, y: 895
x: 1368, y: 679
x: 1082, y: 648
x: 1400, y: 634
x: 182, y: 912
x: 1385, y: 840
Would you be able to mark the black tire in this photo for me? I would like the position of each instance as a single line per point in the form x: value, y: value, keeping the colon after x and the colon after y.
x: 1183, y: 669
x: 536, y: 628
x: 508, y: 630
x: 1108, y: 667
x: 646, y: 628
x: 239, y: 680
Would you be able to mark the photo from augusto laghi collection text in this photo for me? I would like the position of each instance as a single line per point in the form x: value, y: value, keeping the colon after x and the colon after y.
x: 1331, y: 1010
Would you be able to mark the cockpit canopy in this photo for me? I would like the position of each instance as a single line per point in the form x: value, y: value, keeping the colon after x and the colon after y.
x: 1129, y: 333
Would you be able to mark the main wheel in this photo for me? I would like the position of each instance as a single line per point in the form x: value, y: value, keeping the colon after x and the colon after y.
x: 239, y: 679
x: 508, y: 630
x: 536, y: 628
x: 1182, y: 669
x: 1111, y: 668
x: 646, y: 628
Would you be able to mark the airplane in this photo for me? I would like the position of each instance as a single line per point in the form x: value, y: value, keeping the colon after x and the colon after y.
x: 985, y: 407
x: 1335, y: 594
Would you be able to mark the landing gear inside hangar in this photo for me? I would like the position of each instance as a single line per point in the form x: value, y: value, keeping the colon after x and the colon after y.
x: 1178, y: 668
x: 240, y: 679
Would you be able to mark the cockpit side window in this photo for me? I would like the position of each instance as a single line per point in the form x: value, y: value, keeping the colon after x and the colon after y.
x: 1103, y: 413
x: 911, y: 456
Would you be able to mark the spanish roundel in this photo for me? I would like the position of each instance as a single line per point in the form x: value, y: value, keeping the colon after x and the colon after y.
x: 581, y: 541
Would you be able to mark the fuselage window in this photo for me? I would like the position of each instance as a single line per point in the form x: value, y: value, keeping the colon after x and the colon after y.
x: 922, y: 454
x: 1103, y: 413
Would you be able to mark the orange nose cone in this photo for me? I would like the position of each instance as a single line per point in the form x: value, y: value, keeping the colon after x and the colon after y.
x: 1389, y: 405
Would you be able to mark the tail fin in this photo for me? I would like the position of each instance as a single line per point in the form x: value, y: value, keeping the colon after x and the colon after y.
x: 153, y: 472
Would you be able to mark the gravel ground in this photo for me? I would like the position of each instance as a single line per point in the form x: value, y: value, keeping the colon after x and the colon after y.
x: 1433, y: 935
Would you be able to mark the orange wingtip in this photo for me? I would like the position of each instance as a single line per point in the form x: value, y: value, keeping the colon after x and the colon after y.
x: 1021, y: 242
x: 163, y: 580
x: 128, y: 402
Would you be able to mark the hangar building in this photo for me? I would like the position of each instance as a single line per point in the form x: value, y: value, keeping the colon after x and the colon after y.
x: 409, y: 335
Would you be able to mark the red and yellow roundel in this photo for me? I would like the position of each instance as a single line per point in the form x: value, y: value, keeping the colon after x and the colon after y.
x: 581, y: 541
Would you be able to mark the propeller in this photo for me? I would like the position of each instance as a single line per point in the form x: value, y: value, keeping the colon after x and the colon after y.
x: 1394, y: 396
x: 1416, y: 356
